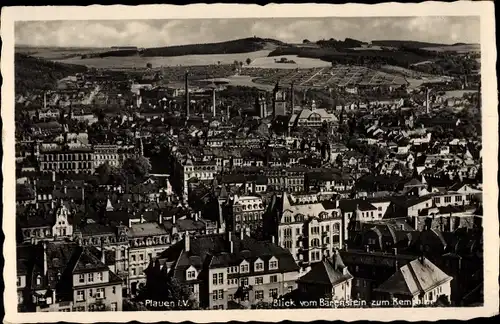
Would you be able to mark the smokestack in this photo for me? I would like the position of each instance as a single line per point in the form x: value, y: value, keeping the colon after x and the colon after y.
x: 227, y: 112
x: 103, y: 254
x: 44, y: 100
x: 45, y: 261
x: 292, y: 96
x: 187, y: 242
x: 273, y: 240
x: 427, y: 102
x: 186, y: 89
x: 242, y: 233
x: 213, y: 102
x: 53, y: 176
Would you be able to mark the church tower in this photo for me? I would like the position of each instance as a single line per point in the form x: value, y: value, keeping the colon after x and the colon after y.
x: 279, y: 101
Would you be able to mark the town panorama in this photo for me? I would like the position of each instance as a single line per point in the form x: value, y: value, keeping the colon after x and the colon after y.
x: 252, y: 173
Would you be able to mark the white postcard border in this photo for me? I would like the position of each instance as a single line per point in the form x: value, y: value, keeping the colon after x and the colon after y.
x: 483, y: 9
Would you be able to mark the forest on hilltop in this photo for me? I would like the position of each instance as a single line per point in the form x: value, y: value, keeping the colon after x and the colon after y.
x: 33, y: 74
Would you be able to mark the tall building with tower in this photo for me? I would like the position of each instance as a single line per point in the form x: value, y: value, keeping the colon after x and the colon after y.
x: 186, y: 89
x: 279, y: 101
x: 261, y: 105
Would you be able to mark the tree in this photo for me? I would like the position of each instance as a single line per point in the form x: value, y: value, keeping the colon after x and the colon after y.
x: 249, y: 60
x: 163, y: 286
x: 136, y: 169
x: 149, y: 65
x: 306, y: 41
x: 104, y: 171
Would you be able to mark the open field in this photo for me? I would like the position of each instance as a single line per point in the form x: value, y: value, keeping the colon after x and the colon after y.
x: 300, y: 63
x: 158, y: 61
x: 320, y: 77
x: 242, y: 80
x: 455, y: 48
x: 62, y: 53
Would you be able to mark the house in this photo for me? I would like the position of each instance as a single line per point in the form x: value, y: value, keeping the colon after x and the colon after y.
x: 419, y: 282
x: 65, y: 277
x: 308, y: 230
x: 227, y: 271
x: 329, y: 279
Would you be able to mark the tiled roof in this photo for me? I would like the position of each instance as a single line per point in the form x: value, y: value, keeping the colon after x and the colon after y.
x: 417, y: 276
x: 329, y: 271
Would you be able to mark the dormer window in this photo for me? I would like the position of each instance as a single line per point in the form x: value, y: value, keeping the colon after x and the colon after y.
x: 38, y: 280
x: 191, y: 274
x: 273, y: 263
x: 259, y: 265
x: 244, y: 268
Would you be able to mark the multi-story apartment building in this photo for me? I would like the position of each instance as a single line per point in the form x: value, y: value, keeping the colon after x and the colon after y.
x: 65, y: 277
x: 66, y: 158
x: 39, y: 224
x: 229, y: 271
x: 112, y: 154
x: 309, y: 231
x: 244, y: 212
x: 147, y: 241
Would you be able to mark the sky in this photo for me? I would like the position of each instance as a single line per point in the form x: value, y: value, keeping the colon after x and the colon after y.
x: 157, y: 33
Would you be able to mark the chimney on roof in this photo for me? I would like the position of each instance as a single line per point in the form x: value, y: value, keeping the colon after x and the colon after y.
x: 346, y: 247
x: 103, y: 253
x: 367, y: 248
x: 395, y: 251
x: 187, y: 242
x: 160, y: 218
x: 65, y: 190
x: 242, y: 233
x: 45, y: 261
x: 273, y: 239
x: 53, y: 176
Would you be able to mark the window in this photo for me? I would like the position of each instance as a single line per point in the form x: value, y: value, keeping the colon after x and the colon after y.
x: 244, y: 268
x: 80, y: 295
x: 259, y: 280
x: 191, y: 274
x: 133, y: 258
x: 100, y: 276
x: 356, y: 282
x: 436, y: 200
x: 458, y: 198
x: 18, y: 282
x: 447, y: 199
x: 220, y: 294
x: 214, y: 279
x: 114, y: 289
x: 273, y: 293
x: 221, y: 278
x: 133, y: 271
x: 259, y: 266
x: 273, y: 278
x: 114, y: 307
x: 297, y: 231
x: 430, y: 295
x: 38, y: 280
x: 99, y: 293
x: 273, y: 265
x: 141, y: 257
x: 244, y: 281
x: 259, y: 294
x: 230, y: 297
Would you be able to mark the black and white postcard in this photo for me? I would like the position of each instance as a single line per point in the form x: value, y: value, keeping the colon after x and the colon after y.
x: 235, y: 162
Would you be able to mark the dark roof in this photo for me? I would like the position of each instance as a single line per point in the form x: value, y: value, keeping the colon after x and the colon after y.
x: 327, y: 272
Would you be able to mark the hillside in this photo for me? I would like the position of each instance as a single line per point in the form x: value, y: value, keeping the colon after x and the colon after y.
x: 38, y: 74
x: 245, y: 45
x: 406, y: 43
x: 403, y: 58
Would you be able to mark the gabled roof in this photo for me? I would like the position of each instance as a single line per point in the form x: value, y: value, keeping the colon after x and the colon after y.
x: 416, y: 277
x: 327, y: 272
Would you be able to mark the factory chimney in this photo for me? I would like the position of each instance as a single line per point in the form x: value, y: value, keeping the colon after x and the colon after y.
x: 45, y: 100
x: 292, y: 96
x: 213, y: 102
x: 427, y: 101
x: 186, y: 89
